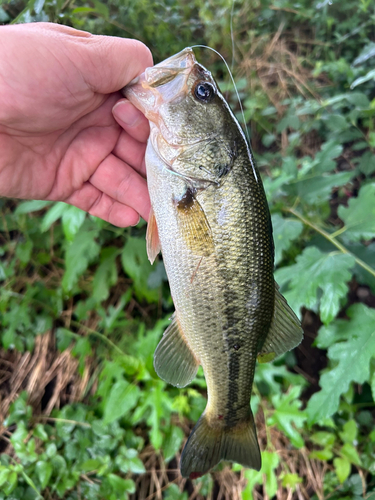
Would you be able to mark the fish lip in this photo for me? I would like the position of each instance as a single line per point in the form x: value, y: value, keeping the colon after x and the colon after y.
x: 181, y: 62
x: 143, y: 90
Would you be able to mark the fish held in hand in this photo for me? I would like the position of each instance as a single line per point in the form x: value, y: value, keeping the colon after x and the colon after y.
x: 211, y: 221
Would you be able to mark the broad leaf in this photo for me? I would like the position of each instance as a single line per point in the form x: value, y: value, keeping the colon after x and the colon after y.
x: 31, y: 206
x: 122, y: 398
x: 342, y: 468
x: 316, y: 189
x: 367, y: 254
x: 173, y: 493
x: 352, y: 361
x: 359, y: 216
x: 53, y: 214
x: 106, y: 274
x: 362, y: 79
x: 44, y: 472
x: 287, y: 412
x: 157, y: 406
x: 349, y: 452
x: 72, y: 220
x: 253, y: 478
x: 349, y: 432
x: 323, y: 161
x: 266, y: 476
x: 120, y: 485
x: 317, y: 274
x: 79, y: 254
x: 172, y: 442
x: 285, y: 231
x: 367, y: 52
x: 136, y: 264
x: 366, y: 163
x: 270, y: 461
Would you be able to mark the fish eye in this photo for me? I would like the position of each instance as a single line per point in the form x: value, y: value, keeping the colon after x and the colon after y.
x: 204, y: 91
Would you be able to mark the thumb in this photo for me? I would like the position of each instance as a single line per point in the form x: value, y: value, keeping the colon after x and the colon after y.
x: 112, y: 62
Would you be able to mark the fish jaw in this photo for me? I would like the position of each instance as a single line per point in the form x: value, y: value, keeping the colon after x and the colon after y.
x: 161, y: 83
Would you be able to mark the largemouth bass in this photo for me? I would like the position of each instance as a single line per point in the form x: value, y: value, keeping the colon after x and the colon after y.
x: 210, y: 219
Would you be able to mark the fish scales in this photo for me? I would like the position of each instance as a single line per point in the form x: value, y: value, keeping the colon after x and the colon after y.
x: 211, y: 220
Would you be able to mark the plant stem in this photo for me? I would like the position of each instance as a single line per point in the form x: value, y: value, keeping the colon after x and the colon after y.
x: 64, y: 420
x: 332, y: 240
x: 99, y: 335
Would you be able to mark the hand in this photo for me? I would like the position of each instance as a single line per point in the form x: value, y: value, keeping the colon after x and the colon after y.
x: 58, y: 137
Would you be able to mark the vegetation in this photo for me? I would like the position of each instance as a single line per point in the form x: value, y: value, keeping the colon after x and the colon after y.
x: 82, y: 310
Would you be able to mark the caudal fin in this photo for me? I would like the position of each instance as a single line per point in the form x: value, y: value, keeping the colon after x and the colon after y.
x: 206, y: 446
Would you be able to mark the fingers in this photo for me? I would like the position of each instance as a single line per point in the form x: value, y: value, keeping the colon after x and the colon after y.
x: 113, y: 62
x: 122, y: 183
x: 131, y: 152
x: 131, y: 120
x: 91, y: 200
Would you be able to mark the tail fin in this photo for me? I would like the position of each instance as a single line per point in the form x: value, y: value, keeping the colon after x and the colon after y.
x: 206, y: 446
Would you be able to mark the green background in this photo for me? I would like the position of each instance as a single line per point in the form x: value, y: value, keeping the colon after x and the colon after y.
x: 83, y: 414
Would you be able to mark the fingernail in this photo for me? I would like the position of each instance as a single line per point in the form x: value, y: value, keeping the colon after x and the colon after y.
x: 136, y: 224
x: 125, y: 112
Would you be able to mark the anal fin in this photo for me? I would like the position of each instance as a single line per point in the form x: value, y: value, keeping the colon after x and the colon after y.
x: 285, y: 332
x: 174, y: 361
x: 152, y: 238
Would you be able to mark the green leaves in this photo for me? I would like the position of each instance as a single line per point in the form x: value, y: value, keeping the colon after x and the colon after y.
x: 72, y: 219
x: 156, y: 407
x: 136, y: 264
x: 67, y: 272
x: 342, y: 468
x: 285, y: 231
x: 359, y: 216
x: 370, y: 75
x: 122, y: 398
x: 270, y: 461
x: 79, y: 254
x: 44, y: 471
x: 352, y: 346
x: 288, y: 416
x: 31, y: 206
x: 317, y: 278
x: 172, y: 442
x: 106, y: 274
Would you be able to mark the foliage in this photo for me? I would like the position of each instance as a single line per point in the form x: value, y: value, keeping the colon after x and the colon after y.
x: 305, y: 75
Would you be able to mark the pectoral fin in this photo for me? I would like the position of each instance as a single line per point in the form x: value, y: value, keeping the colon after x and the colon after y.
x: 285, y: 331
x: 152, y: 238
x: 174, y: 361
x: 194, y: 224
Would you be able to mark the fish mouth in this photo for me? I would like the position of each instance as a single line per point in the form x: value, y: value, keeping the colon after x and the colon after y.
x: 149, y: 90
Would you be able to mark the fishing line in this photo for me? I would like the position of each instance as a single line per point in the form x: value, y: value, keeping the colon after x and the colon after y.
x: 231, y: 33
x: 232, y: 39
x: 234, y: 84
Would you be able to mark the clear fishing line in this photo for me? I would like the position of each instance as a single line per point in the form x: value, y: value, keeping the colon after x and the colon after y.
x: 234, y: 83
x: 231, y: 33
x: 239, y: 101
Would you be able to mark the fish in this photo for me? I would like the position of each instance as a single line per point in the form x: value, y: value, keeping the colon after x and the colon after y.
x: 211, y: 221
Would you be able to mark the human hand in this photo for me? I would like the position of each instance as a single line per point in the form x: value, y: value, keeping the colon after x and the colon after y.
x: 58, y: 137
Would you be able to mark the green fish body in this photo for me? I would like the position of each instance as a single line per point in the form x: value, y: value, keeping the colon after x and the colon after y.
x: 210, y: 219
